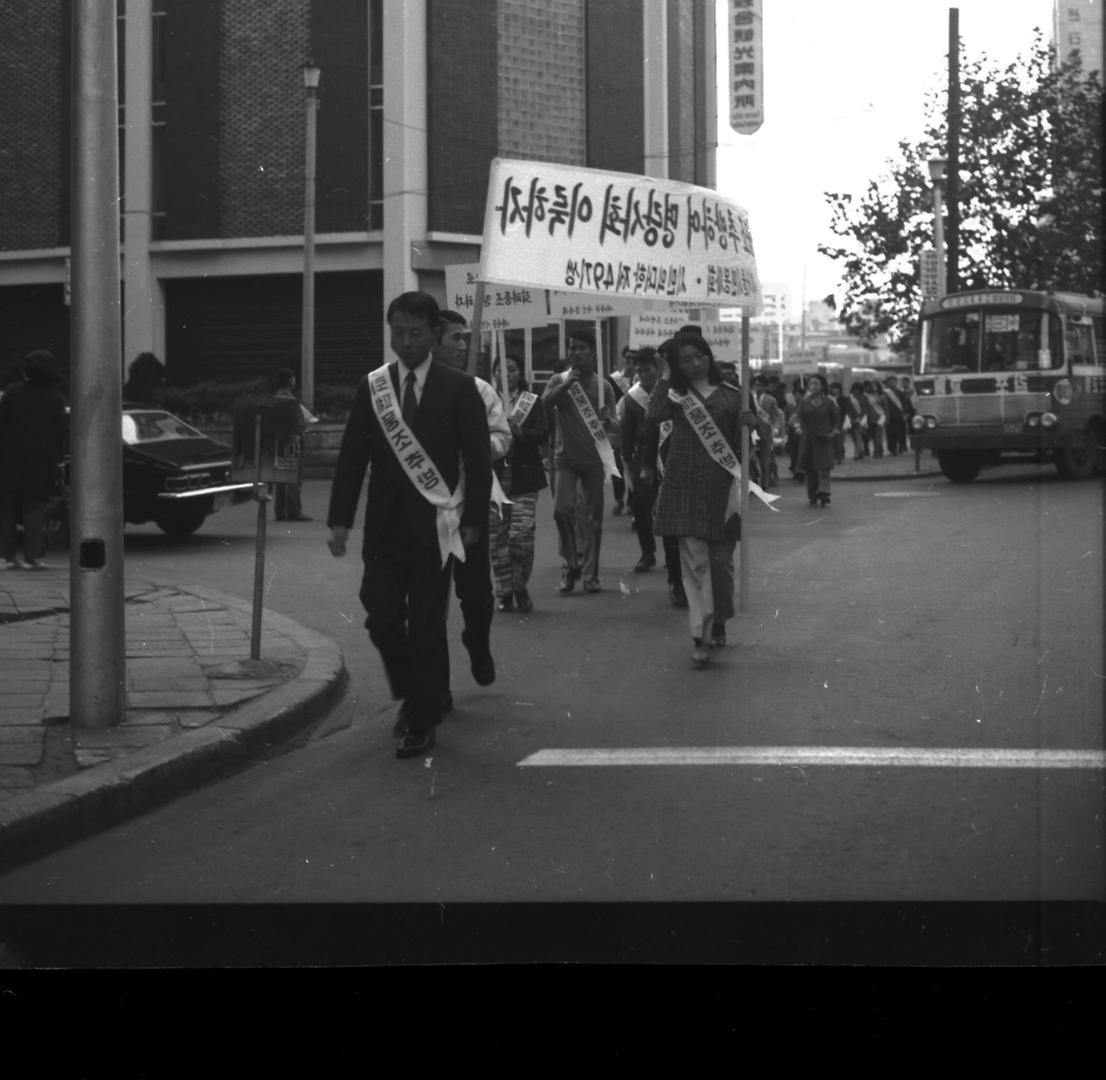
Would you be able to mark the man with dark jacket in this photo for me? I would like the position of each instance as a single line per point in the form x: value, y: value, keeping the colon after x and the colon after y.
x: 33, y: 439
x: 423, y: 428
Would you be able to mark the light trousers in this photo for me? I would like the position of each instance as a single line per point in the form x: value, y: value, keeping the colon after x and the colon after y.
x: 708, y: 576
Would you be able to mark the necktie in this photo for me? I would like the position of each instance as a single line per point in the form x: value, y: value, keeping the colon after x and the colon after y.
x: 410, y: 403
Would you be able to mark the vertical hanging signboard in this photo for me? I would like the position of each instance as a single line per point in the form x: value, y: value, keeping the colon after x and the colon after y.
x: 746, y: 66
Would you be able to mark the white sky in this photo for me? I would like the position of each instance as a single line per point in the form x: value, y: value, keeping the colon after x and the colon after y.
x: 844, y: 81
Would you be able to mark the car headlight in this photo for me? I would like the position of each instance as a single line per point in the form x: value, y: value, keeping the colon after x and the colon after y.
x: 931, y: 422
x: 1049, y: 420
x: 918, y: 423
x: 1033, y: 420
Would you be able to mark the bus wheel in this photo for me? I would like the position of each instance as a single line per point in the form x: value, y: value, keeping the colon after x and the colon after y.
x: 960, y: 466
x: 1083, y: 458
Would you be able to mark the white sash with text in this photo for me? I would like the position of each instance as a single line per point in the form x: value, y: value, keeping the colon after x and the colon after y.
x: 417, y: 464
x: 590, y: 417
x: 714, y: 442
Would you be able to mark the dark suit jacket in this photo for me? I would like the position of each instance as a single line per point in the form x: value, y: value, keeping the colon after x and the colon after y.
x: 451, y: 425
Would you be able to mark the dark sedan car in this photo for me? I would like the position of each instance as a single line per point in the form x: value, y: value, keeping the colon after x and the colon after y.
x: 173, y: 474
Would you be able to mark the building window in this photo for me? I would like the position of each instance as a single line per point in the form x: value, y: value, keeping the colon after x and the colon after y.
x: 1075, y: 40
x: 1073, y: 14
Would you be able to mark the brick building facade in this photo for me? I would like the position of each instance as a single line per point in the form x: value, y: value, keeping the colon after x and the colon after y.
x: 417, y: 97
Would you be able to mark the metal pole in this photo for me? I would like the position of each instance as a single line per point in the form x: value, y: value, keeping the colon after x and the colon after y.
x: 261, y: 495
x: 952, y: 182
x: 474, y: 331
x: 939, y: 237
x: 97, y: 652
x: 747, y: 394
x: 307, y: 346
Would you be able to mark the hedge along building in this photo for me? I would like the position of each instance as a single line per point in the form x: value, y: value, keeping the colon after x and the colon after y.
x: 417, y: 97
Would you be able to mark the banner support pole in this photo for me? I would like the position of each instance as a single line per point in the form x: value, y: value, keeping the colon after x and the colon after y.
x: 747, y: 397
x: 474, y: 333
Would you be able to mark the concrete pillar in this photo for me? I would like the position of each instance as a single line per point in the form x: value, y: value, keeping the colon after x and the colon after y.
x: 655, y: 86
x: 406, y: 174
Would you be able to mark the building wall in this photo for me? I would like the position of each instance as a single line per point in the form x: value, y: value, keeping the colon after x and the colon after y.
x: 541, y: 80
x: 1077, y: 25
x: 615, y: 73
x: 462, y: 108
x: 262, y: 124
x: 34, y: 127
x: 559, y: 80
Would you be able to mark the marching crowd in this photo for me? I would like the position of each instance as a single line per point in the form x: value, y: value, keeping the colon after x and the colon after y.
x: 457, y: 467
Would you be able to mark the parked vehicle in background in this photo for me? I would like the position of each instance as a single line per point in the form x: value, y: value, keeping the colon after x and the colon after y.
x: 173, y: 475
x: 1003, y: 374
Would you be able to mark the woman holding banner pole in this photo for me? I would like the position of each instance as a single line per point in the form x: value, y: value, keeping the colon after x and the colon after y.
x: 698, y: 497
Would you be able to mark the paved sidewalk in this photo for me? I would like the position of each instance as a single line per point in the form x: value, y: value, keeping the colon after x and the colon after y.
x: 197, y: 706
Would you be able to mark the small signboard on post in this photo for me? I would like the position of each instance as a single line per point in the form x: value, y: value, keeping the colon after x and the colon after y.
x: 506, y: 307
x: 930, y: 273
x: 746, y: 66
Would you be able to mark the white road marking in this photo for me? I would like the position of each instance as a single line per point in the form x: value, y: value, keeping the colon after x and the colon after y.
x: 881, y: 757
x: 905, y: 494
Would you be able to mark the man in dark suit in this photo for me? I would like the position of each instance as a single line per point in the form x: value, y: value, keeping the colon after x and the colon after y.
x: 411, y: 515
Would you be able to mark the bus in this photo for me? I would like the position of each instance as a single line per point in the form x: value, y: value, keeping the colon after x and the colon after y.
x: 1008, y: 374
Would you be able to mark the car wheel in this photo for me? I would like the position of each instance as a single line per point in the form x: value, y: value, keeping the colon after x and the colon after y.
x: 960, y: 466
x: 180, y: 522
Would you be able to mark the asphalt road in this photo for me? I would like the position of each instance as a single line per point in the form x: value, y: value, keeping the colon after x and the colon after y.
x: 910, y: 616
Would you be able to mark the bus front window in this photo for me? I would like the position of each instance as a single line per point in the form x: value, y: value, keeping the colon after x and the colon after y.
x: 950, y: 343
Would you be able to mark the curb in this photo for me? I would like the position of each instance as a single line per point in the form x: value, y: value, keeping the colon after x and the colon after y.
x: 58, y: 814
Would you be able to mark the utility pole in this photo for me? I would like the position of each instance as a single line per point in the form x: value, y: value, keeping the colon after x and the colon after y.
x: 952, y: 180
x: 97, y: 653
x: 311, y: 76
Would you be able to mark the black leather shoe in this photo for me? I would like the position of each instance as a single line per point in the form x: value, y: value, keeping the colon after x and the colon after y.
x: 399, y: 728
x: 481, y: 664
x: 523, y: 601
x: 505, y: 603
x: 677, y: 595
x: 646, y: 562
x: 412, y: 745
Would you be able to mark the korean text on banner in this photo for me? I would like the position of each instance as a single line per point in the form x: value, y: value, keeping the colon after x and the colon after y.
x: 746, y: 66
x: 589, y: 231
x: 506, y: 307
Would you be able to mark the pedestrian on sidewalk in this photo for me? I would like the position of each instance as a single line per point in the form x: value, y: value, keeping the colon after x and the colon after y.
x: 697, y: 499
x: 288, y: 497
x: 836, y: 391
x: 818, y: 425
x: 34, y: 432
x: 522, y: 476
x: 877, y: 417
x: 856, y: 418
x: 145, y: 378
x: 417, y: 520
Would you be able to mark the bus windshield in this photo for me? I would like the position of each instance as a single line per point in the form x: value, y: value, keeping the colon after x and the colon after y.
x: 974, y: 340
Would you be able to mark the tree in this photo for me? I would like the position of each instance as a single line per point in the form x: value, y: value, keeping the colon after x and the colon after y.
x: 1031, y: 186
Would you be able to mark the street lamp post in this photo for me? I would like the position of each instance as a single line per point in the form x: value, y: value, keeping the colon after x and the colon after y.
x: 311, y: 74
x: 937, y: 175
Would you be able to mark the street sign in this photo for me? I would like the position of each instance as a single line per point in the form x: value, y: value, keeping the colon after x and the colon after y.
x: 746, y: 66
x: 930, y: 273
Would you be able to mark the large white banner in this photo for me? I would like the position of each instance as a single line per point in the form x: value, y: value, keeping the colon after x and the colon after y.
x: 506, y: 307
x: 587, y: 231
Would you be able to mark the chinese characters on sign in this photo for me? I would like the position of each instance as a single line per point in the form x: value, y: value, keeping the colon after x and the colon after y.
x: 581, y: 230
x: 746, y: 66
